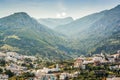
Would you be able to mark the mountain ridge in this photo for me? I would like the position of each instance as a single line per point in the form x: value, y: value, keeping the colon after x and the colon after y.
x: 94, y: 30
x: 29, y: 37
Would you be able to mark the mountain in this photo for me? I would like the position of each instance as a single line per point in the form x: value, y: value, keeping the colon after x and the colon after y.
x: 80, y: 24
x: 54, y: 22
x: 23, y: 34
x: 96, y: 32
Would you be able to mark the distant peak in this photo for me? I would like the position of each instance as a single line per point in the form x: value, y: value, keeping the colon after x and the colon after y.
x: 68, y: 18
x: 19, y: 16
x: 20, y: 13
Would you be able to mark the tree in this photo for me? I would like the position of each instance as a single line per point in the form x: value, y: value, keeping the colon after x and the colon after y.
x: 1, y: 70
x: 27, y: 74
x: 9, y: 73
x: 2, y: 62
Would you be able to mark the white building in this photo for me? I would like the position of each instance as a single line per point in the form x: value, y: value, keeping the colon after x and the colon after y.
x: 63, y: 76
x: 47, y: 70
x: 98, y: 59
x: 2, y: 55
x: 13, y: 56
x: 15, y: 68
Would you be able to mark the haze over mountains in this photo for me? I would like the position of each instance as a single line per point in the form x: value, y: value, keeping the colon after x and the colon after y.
x: 91, y: 21
x: 61, y: 38
x: 54, y: 22
x: 96, y: 30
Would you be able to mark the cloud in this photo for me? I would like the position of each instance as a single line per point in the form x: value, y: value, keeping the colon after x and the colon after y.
x: 58, y: 15
x: 61, y: 14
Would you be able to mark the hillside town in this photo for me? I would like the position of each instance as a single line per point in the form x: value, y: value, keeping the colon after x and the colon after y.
x: 102, y: 66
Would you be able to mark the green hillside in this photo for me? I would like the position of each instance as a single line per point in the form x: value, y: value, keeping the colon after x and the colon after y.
x: 21, y: 33
x: 96, y: 32
x: 91, y: 34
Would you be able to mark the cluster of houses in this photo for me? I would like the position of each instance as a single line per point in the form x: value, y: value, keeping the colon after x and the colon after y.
x: 13, y: 56
x: 45, y: 74
x: 52, y: 73
x: 15, y: 61
x: 98, y: 59
x: 3, y: 77
x: 16, y: 69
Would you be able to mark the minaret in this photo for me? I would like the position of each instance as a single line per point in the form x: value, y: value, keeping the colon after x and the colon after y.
x: 57, y: 67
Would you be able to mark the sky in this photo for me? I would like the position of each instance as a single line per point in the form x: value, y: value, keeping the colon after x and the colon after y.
x: 55, y: 8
